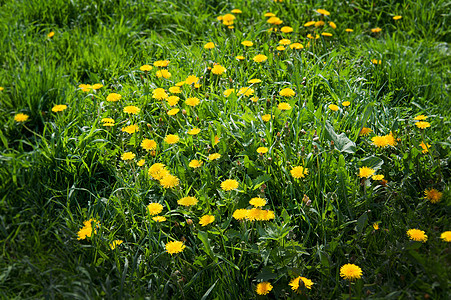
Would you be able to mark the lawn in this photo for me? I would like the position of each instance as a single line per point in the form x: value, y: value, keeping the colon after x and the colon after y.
x: 225, y: 149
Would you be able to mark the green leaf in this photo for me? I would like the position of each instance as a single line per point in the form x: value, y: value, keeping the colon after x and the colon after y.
x: 341, y: 141
x: 373, y: 162
x: 203, y: 237
x: 266, y: 274
x: 361, y: 222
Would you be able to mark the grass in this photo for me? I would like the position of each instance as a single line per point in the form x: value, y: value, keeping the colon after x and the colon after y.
x: 59, y: 169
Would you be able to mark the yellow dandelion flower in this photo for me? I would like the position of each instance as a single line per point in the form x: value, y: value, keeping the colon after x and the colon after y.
x: 207, y: 219
x: 163, y: 73
x: 159, y: 94
x: 161, y: 63
x: 267, y: 215
x: 346, y: 103
x: 209, y: 45
x: 366, y: 172
x: 175, y: 90
x: 214, y: 156
x: 149, y: 144
x: 172, y: 139
x: 108, y: 122
x: 193, y: 101
x: 59, y: 107
x: 396, y: 18
x: 350, y: 272
x: 284, y: 42
x: 310, y: 23
x: 263, y: 288
x: 159, y: 219
x: 365, y: 131
x: 257, y: 202
x: 240, y: 57
x: 216, y: 140
x: 169, y: 181
x: 254, y: 99
x: 262, y: 150
x: 274, y: 20
x: 218, y: 70
x: 260, y: 58
x: 420, y: 118
x: 376, y: 30
x: 247, y: 43
x: 240, y: 214
x: 376, y: 226
x: 113, y: 97
x: 266, y: 117
x: 296, y: 283
x: 349, y: 30
x: 269, y: 14
x: 154, y: 208
x: 286, y: 29
x: 88, y: 229
x: 299, y: 172
x: 280, y: 48
x: 173, y: 111
x: 141, y: 162
x: 319, y: 23
x: 377, y: 177
x: 187, y: 201
x: 246, y: 91
x: 423, y: 124
x: 229, y: 184
x: 128, y: 156
x: 194, y: 131
x: 433, y: 195
x: 132, y: 110
x: 158, y: 171
x: 173, y: 100
x: 446, y: 236
x: 417, y: 235
x: 175, y: 247
x: 323, y: 12
x: 380, y: 141
x: 236, y: 11
x: 145, y: 68
x: 284, y: 106
x: 130, y: 129
x: 287, y: 92
x: 20, y: 117
x: 333, y: 107
x: 228, y: 92
x: 255, y: 214
x: 191, y: 79
x: 97, y: 86
x: 333, y: 25
x: 255, y: 80
x: 195, y: 164
x: 296, y: 46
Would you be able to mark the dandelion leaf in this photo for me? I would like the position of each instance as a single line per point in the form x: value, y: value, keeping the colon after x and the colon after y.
x: 341, y: 142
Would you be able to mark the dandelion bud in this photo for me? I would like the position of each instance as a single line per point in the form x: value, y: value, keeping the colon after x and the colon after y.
x: 160, y: 120
x: 153, y: 153
x: 176, y: 224
x: 302, y: 149
x: 149, y: 126
x: 197, y: 119
x: 278, y: 134
x: 184, y: 111
x: 189, y: 222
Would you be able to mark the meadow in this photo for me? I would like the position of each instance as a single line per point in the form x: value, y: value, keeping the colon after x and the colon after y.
x: 225, y: 149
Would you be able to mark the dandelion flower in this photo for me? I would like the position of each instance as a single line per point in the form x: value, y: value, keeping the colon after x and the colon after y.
x: 154, y: 208
x: 173, y: 100
x: 128, y: 156
x: 247, y: 43
x: 286, y: 29
x: 423, y: 124
x: 254, y: 99
x: 246, y: 91
x: 159, y: 94
x: 240, y: 57
x: 260, y: 58
x: 323, y: 12
x: 296, y: 46
x: 115, y: 243
x: 130, y: 129
x: 376, y: 30
x: 159, y: 219
x: 107, y: 122
x: 194, y: 131
x: 20, y: 117
x: 366, y: 172
x: 377, y: 177
x: 228, y: 92
x: 446, y: 236
x: 310, y: 23
x: 287, y: 92
x: 380, y: 141
x: 175, y: 90
x: 207, y: 219
x: 236, y: 11
x: 295, y: 283
x: 350, y: 272
x: 87, y: 230
x: 146, y: 68
x: 396, y: 18
x: 266, y: 117
x: 255, y: 214
x: 161, y: 63
x: 173, y: 111
x: 284, y: 106
x: 263, y: 288
x: 192, y: 101
x: 214, y: 156
x: 284, y: 42
x: 169, y: 181
x: 229, y: 184
x: 59, y: 107
x: 97, y: 86
x: 326, y: 34
x: 269, y: 14
x: 346, y: 103
x: 333, y: 25
x: 262, y: 150
x: 390, y: 139
x: 209, y: 45
x: 195, y: 164
x: 218, y: 70
x: 141, y: 162
x: 158, y: 171
x: 149, y: 144
x: 175, y: 247
x: 240, y: 214
x: 191, y: 79
x: 172, y: 139
x: 299, y: 172
x: 274, y: 20
x: 420, y: 118
x: 417, y: 235
x: 280, y: 48
x: 319, y: 23
x: 113, y: 97
x: 376, y: 226
x: 433, y: 195
x: 333, y: 107
x: 132, y: 110
x: 349, y: 30
x: 255, y: 80
x: 365, y: 131
x: 163, y: 73
x: 425, y: 147
x: 257, y: 202
x: 187, y: 201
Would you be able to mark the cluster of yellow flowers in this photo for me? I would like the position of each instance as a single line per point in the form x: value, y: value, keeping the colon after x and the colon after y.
x: 89, y: 227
